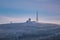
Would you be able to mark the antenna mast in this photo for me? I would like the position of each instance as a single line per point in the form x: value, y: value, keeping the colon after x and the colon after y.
x: 37, y: 16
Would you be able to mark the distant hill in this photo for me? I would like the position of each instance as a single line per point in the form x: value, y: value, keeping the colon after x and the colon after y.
x: 29, y: 31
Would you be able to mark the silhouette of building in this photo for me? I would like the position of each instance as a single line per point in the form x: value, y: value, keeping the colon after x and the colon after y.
x: 10, y: 22
x: 29, y: 20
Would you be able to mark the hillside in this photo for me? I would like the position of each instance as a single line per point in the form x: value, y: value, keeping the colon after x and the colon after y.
x: 29, y: 31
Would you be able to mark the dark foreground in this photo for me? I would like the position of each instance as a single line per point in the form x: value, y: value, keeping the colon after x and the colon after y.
x: 27, y: 32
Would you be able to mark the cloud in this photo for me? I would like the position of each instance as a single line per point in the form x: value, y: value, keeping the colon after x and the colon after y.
x: 51, y: 5
x: 51, y: 8
x: 5, y: 19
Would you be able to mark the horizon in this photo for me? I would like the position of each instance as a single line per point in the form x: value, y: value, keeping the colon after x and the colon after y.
x: 19, y: 11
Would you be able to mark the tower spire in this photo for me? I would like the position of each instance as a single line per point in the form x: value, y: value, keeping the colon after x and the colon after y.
x: 36, y: 16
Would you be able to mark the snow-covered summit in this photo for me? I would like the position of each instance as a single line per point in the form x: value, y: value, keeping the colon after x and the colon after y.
x: 28, y: 29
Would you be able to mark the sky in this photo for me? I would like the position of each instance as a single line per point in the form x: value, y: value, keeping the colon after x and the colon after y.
x: 21, y: 10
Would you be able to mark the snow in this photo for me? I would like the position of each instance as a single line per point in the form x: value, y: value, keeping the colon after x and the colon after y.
x: 28, y: 31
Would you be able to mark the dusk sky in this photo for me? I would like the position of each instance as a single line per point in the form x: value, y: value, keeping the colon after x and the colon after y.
x: 21, y: 10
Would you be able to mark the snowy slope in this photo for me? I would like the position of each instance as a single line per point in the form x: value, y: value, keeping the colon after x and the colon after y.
x: 28, y: 31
